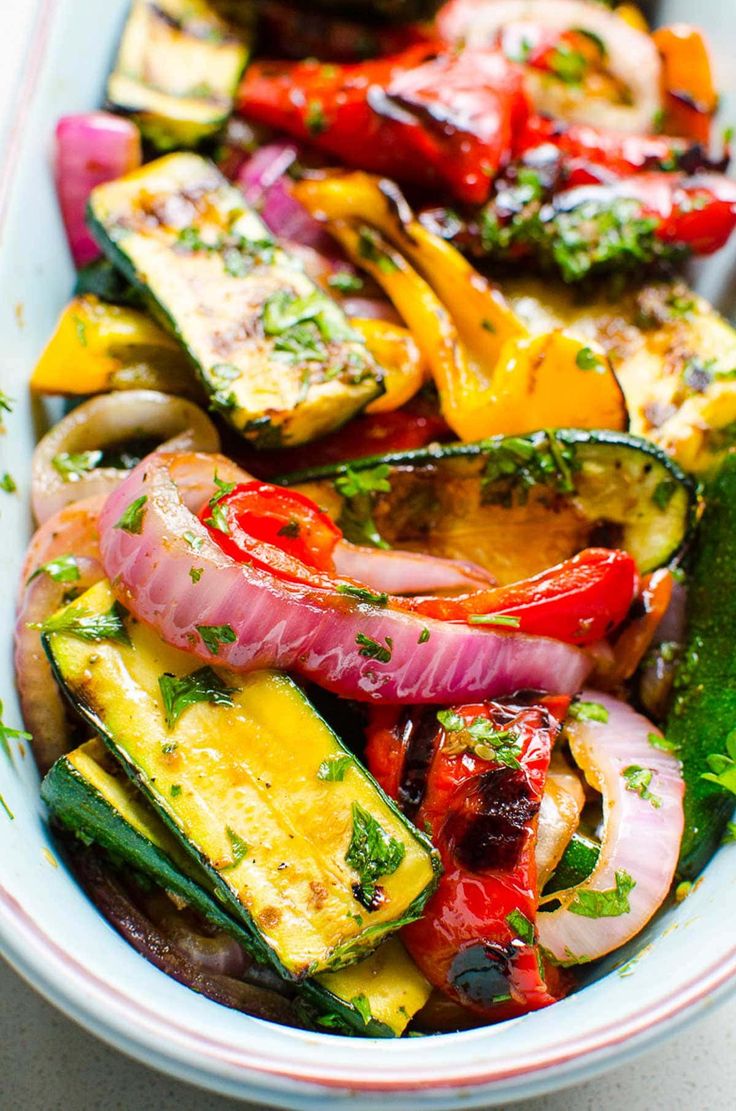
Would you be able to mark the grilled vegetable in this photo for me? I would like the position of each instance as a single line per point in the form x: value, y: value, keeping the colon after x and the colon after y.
x: 275, y: 354
x: 514, y: 505
x: 99, y: 347
x: 673, y: 354
x: 578, y: 861
x: 216, y: 755
x: 88, y: 793
x: 176, y: 71
x: 701, y: 722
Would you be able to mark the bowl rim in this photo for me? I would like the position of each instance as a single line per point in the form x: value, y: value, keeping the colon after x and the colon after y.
x: 116, y: 1016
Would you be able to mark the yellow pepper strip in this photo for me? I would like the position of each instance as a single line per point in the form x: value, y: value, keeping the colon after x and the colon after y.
x: 97, y: 347
x: 395, y: 349
x: 548, y: 381
x: 483, y: 318
x: 426, y: 317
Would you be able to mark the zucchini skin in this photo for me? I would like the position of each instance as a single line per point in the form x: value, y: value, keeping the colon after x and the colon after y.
x: 703, y: 711
x: 84, y: 812
x: 576, y: 440
x: 577, y: 862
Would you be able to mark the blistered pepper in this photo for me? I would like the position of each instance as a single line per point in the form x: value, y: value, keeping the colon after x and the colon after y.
x: 473, y: 777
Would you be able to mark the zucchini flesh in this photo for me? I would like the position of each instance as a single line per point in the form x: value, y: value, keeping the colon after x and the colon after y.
x: 88, y: 794
x: 577, y: 862
x: 240, y: 786
x: 516, y: 505
x: 275, y: 354
x: 177, y: 71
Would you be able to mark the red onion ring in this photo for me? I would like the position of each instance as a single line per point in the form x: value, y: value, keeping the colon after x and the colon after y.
x: 111, y: 419
x: 71, y: 531
x: 337, y: 642
x: 641, y: 839
x: 400, y: 572
x: 43, y: 708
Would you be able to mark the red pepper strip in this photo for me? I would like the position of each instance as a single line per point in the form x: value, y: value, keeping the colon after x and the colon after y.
x: 413, y: 426
x: 698, y: 212
x: 579, y: 601
x: 280, y: 530
x: 602, y: 153
x: 632, y: 640
x: 422, y: 117
x: 475, y: 940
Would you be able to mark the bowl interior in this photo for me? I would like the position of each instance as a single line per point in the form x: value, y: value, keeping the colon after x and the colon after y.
x: 55, y: 937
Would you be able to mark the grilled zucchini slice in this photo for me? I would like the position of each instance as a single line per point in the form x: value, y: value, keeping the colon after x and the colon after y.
x: 673, y: 354
x: 177, y: 71
x: 89, y: 794
x: 275, y: 354
x: 516, y: 504
x: 300, y: 843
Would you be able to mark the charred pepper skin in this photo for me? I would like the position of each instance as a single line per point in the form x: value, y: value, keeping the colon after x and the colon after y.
x: 476, y: 940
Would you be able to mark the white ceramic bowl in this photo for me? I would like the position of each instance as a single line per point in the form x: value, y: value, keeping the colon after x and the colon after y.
x: 54, y: 937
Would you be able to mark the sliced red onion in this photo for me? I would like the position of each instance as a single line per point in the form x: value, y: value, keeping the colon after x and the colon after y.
x: 631, y: 55
x: 71, y: 530
x: 106, y: 420
x: 400, y: 572
x: 643, y: 823
x: 91, y: 148
x: 358, y: 650
x: 43, y: 708
x: 155, y: 945
x: 265, y: 185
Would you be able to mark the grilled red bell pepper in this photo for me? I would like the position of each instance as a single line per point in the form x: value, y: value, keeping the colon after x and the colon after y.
x: 473, y: 777
x: 425, y: 117
x: 579, y: 601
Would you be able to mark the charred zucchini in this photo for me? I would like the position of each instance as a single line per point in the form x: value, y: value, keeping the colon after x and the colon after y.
x: 516, y: 505
x: 177, y: 71
x: 89, y: 794
x: 246, y: 773
x: 274, y: 353
x: 673, y: 354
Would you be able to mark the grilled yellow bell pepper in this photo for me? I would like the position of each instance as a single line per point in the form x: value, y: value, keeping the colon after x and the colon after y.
x: 394, y: 349
x: 97, y: 346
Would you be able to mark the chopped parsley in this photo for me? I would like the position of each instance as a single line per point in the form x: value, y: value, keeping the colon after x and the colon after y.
x: 195, y: 573
x: 193, y: 541
x: 63, y: 569
x: 367, y: 480
x: 661, y: 743
x: 345, y: 282
x: 370, y: 248
x: 180, y: 692
x: 217, y: 517
x: 7, y: 483
x: 588, y: 711
x: 78, y: 622
x: 6, y: 405
x: 333, y: 769
x: 214, y: 636
x: 729, y: 837
x: 514, y: 466
x: 424, y: 636
x: 314, y: 118
x: 504, y: 619
x: 450, y: 721
x: 522, y: 927
x: 75, y: 465
x: 291, y: 529
x: 302, y: 322
x: 362, y: 1005
x: 362, y: 594
x: 639, y: 780
x: 568, y: 64
x: 175, y: 790
x: 372, y: 853
x: 586, y: 359
x: 238, y: 847
x: 372, y: 650
x: 132, y: 519
x: 481, y: 737
x: 8, y: 734
x: 605, y: 904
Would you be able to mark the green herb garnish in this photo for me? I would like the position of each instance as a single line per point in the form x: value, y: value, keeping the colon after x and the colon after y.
x: 8, y: 734
x: 63, y: 569
x: 238, y: 846
x: 216, y: 635
x: 588, y: 711
x: 723, y: 766
x: 424, y: 636
x: 79, y: 622
x: 7, y: 483
x: 638, y: 780
x: 180, y: 692
x: 345, y: 282
x: 132, y: 519
x: 369, y: 248
x: 661, y: 743
x: 372, y: 650
x: 333, y: 769
x: 75, y: 465
x: 605, y: 904
x: 586, y: 359
x: 362, y: 594
x: 522, y: 927
x: 501, y: 619
x: 372, y: 853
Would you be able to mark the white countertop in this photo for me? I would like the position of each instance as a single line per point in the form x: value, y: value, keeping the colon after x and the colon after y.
x: 49, y: 1064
